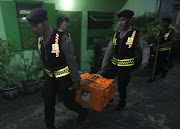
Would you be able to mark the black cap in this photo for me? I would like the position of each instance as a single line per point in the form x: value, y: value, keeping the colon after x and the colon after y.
x: 62, y: 18
x: 125, y: 13
x: 168, y: 19
x: 37, y: 16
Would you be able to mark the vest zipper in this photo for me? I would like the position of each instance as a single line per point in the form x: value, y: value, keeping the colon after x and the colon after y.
x: 119, y: 49
x: 46, y: 55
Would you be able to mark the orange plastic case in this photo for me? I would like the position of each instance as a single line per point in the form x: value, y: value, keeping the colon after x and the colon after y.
x: 97, y: 94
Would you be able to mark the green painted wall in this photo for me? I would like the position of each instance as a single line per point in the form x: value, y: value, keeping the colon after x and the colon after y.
x: 2, y: 30
x: 89, y: 5
x: 84, y: 52
x: 51, y: 14
x: 11, y: 26
x: 99, y: 32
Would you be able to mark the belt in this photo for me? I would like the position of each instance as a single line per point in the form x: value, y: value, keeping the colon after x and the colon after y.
x: 59, y: 73
x: 165, y: 49
x: 123, y: 62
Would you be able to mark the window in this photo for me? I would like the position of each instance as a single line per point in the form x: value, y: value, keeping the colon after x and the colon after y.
x: 100, y: 20
x: 25, y: 8
x: 28, y: 38
x: 100, y: 28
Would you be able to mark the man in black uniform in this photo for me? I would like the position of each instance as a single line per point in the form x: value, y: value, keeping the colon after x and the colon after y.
x: 165, y: 39
x: 122, y: 46
x: 63, y: 24
x: 59, y: 64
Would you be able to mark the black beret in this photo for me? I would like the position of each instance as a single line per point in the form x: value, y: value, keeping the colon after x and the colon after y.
x: 168, y: 19
x: 37, y: 16
x: 125, y: 13
x: 62, y: 18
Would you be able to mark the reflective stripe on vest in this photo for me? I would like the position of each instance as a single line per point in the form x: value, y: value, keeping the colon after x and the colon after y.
x: 114, y: 39
x: 48, y: 72
x: 55, y: 47
x: 123, y: 62
x: 129, y: 41
x: 58, y: 73
x: 69, y: 36
x: 39, y: 44
x: 166, y: 35
x: 165, y: 49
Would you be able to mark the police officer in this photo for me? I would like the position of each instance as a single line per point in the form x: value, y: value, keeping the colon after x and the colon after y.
x: 63, y: 24
x: 122, y: 46
x: 165, y: 39
x: 59, y: 64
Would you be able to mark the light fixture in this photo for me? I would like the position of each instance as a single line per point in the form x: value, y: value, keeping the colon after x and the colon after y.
x: 24, y: 12
x: 23, y: 18
x: 67, y: 4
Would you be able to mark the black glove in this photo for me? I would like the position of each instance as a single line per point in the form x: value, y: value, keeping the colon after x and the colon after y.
x: 75, y: 86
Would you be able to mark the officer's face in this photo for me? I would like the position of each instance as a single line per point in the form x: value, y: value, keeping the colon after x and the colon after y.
x: 65, y: 25
x: 39, y: 29
x: 165, y: 24
x: 123, y: 22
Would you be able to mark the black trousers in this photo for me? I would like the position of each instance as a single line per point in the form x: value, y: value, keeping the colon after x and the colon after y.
x: 123, y: 74
x: 162, y: 64
x: 49, y: 92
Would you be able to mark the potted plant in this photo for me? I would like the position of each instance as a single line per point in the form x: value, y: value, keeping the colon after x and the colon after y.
x: 31, y: 71
x: 96, y: 59
x: 11, y: 88
x: 11, y: 80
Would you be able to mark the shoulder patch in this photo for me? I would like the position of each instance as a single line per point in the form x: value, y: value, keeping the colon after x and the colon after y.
x: 68, y: 42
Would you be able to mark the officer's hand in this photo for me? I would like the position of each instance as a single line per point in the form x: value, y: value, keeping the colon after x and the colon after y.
x: 142, y: 66
x: 75, y: 86
x: 158, y: 47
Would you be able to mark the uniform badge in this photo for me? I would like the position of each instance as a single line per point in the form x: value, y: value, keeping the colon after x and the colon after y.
x: 166, y: 36
x: 55, y: 47
x: 69, y: 35
x: 114, y: 41
x: 130, y: 41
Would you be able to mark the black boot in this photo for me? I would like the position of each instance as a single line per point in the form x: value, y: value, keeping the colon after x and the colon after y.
x: 121, y: 105
x: 82, y: 116
x: 60, y: 98
x: 151, y: 80
x: 163, y: 75
x: 50, y: 127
